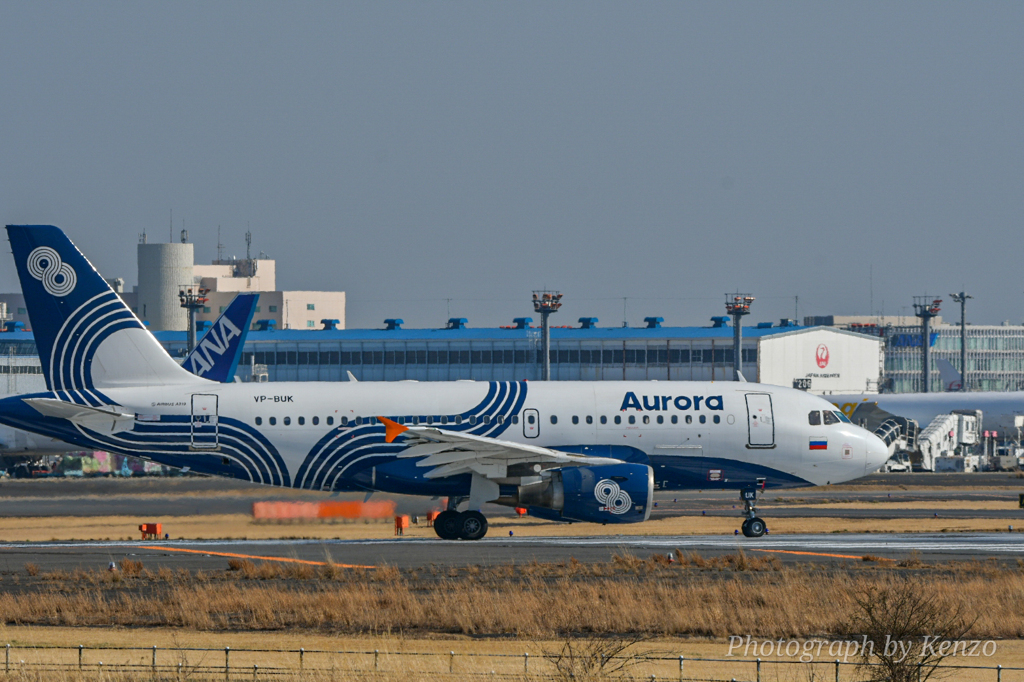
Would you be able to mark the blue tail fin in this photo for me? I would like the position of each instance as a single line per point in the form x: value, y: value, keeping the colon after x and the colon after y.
x: 87, y: 338
x: 216, y: 355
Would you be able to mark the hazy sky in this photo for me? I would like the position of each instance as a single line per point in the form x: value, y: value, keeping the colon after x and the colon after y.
x: 408, y: 153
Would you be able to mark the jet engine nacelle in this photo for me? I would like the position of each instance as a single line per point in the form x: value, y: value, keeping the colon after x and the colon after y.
x: 609, y: 493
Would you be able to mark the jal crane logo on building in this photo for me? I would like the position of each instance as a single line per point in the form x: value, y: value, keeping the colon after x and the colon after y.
x: 821, y: 355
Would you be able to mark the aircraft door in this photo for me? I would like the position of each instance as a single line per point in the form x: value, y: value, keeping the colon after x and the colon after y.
x: 531, y: 423
x: 760, y: 421
x: 205, y: 430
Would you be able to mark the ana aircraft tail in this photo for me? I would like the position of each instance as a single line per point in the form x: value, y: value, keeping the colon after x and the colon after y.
x: 216, y: 355
x: 87, y: 338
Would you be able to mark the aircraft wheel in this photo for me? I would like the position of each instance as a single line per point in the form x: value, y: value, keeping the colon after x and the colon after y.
x: 447, y: 525
x: 754, y: 528
x: 473, y: 525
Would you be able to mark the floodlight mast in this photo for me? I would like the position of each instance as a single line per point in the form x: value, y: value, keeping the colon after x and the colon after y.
x: 737, y: 305
x: 192, y: 298
x: 961, y: 298
x: 926, y: 307
x: 545, y: 303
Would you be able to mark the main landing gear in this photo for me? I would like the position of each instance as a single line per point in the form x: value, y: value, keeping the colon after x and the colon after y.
x: 454, y: 525
x: 753, y: 526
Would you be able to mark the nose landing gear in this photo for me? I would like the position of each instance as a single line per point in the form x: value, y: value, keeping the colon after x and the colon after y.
x: 753, y: 526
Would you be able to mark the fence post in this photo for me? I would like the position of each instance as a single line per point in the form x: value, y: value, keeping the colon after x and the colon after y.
x: 376, y: 660
x: 7, y: 660
x: 999, y: 673
x: 759, y: 669
x: 154, y: 661
x: 526, y: 663
x: 255, y: 669
x: 227, y: 665
x: 451, y: 662
x: 302, y: 655
x: 837, y: 670
x: 79, y: 656
x: 680, y: 667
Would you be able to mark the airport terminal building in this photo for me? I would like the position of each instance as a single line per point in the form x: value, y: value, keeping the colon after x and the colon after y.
x: 819, y: 359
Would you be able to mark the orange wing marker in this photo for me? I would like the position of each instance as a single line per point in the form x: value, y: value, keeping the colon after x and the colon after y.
x: 394, y: 429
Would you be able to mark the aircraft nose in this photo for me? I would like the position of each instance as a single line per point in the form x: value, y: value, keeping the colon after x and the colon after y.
x: 877, y: 452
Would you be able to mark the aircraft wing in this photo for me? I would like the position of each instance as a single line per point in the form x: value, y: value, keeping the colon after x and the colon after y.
x: 449, y: 453
x: 92, y: 418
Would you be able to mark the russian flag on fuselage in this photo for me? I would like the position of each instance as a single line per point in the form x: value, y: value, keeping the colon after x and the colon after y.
x: 819, y: 444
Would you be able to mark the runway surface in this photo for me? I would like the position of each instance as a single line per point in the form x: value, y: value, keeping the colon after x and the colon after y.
x: 415, y: 553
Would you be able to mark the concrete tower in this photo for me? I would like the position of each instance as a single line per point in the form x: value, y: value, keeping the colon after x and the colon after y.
x: 163, y: 269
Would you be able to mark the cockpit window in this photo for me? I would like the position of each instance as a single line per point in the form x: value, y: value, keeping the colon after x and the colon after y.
x: 830, y: 418
x: 843, y: 418
x: 814, y: 418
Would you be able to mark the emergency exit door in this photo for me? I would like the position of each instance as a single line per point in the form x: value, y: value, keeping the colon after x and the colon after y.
x: 531, y: 423
x: 760, y: 421
x: 205, y: 431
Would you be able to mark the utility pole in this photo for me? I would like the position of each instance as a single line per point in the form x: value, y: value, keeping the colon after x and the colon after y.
x: 737, y: 305
x: 926, y: 309
x: 961, y: 298
x: 545, y: 303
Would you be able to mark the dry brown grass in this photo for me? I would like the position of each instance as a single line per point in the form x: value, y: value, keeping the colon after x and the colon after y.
x: 241, y: 526
x: 690, y: 595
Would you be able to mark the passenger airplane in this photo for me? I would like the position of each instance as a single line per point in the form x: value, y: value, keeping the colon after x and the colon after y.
x: 215, y: 357
x: 570, y: 451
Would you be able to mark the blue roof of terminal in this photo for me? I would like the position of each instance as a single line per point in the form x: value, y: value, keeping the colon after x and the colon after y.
x: 471, y: 334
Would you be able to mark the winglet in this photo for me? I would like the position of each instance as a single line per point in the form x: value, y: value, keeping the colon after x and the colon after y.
x: 394, y: 429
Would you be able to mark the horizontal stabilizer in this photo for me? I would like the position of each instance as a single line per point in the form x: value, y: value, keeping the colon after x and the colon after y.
x: 92, y: 418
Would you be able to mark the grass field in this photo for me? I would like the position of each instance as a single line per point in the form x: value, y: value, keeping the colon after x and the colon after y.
x: 241, y: 526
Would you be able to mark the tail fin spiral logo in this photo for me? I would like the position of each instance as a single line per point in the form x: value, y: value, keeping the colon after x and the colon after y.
x: 57, y: 277
x: 613, y: 498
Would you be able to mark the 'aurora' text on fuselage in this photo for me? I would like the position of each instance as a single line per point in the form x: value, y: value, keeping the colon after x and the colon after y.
x: 659, y: 403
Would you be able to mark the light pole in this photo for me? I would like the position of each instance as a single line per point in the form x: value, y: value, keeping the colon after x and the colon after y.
x: 926, y: 309
x: 961, y: 298
x: 192, y: 298
x: 737, y: 305
x: 545, y: 303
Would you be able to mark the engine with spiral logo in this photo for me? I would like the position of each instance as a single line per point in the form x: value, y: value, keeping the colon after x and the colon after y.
x: 612, y: 498
x: 57, y: 277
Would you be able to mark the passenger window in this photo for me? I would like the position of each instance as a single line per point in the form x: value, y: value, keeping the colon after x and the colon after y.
x: 703, y: 419
x: 444, y: 419
x: 814, y: 418
x: 259, y: 421
x: 689, y: 419
x: 590, y: 420
x: 632, y: 419
x: 716, y: 419
x: 344, y: 421
x: 330, y: 421
x: 302, y: 421
x: 575, y: 419
x: 618, y: 419
x: 530, y: 420
x: 359, y: 421
x: 430, y: 420
x: 472, y: 420
x: 604, y: 419
x: 647, y: 419
x: 316, y: 420
x: 675, y: 419
x: 661, y: 419
x: 830, y: 417
x: 487, y: 419
x: 554, y: 419
x: 273, y: 421
x: 287, y: 421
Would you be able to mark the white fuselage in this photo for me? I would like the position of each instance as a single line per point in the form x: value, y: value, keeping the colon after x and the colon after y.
x: 708, y: 430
